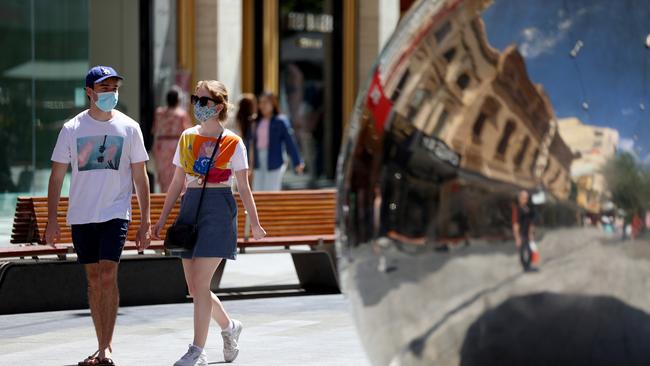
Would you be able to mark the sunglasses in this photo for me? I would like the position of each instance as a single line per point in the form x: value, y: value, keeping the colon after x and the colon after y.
x: 203, y: 101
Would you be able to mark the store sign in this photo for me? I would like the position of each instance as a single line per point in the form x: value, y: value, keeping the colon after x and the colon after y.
x: 305, y: 42
x: 440, y: 150
x: 306, y: 22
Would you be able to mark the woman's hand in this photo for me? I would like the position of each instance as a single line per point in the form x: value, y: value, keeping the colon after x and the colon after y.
x: 258, y: 232
x: 157, y: 228
x: 300, y: 168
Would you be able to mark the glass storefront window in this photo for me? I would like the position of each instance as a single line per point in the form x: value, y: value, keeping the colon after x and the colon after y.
x: 309, y: 60
x: 45, y: 57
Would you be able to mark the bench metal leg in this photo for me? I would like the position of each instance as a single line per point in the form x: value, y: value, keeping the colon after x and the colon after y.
x: 218, y: 274
x: 316, y: 271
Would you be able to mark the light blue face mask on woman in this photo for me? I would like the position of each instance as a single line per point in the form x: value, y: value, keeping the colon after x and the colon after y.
x: 204, y: 113
x: 106, y: 101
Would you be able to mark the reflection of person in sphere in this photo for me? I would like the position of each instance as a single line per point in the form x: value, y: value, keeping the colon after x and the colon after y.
x: 522, y: 226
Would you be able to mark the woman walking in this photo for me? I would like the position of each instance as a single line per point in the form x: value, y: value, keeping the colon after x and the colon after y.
x: 217, y: 219
x: 168, y: 124
x: 272, y: 135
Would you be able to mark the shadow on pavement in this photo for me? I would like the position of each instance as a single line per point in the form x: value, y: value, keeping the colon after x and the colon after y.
x: 264, y: 292
x: 554, y: 329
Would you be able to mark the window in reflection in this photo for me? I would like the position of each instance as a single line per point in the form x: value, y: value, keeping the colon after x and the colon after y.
x: 444, y: 30
x: 463, y: 81
x: 522, y: 152
x: 449, y: 55
x: 505, y: 137
x: 400, y: 85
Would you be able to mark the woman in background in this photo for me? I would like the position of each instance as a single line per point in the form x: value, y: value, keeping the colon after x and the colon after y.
x: 168, y: 124
x: 246, y: 116
x: 272, y: 136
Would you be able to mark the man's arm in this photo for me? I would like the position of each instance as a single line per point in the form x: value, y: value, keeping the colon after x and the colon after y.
x: 57, y: 175
x: 141, y: 183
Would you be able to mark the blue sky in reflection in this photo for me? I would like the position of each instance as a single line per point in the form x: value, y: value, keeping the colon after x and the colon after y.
x: 611, y: 70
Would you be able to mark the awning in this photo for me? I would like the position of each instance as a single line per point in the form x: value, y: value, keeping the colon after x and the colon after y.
x: 49, y: 70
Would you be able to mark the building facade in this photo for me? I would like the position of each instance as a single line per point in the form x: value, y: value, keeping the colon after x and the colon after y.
x: 482, y: 104
x: 311, y: 54
x: 593, y: 146
x: 464, y: 129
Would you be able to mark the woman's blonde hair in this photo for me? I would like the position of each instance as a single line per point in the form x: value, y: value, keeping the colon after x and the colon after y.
x: 219, y: 93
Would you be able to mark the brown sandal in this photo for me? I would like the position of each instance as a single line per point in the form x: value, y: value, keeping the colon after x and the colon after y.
x: 90, y: 360
x: 105, y: 362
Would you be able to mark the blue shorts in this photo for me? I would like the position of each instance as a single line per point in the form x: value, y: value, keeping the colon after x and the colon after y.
x: 100, y: 241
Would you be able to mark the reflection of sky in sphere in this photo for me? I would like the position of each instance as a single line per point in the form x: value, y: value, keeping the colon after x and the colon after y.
x: 610, y: 71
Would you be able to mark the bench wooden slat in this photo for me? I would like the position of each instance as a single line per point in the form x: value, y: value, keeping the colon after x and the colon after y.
x: 31, y: 251
x: 289, y: 217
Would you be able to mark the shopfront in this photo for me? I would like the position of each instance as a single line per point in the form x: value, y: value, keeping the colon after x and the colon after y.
x: 302, y: 63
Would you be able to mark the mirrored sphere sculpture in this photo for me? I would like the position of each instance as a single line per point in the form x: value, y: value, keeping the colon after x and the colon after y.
x: 494, y: 190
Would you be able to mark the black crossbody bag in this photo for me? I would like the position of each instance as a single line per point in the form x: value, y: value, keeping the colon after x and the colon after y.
x: 183, y: 236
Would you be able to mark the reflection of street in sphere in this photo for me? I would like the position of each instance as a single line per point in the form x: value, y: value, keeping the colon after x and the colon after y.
x: 454, y: 122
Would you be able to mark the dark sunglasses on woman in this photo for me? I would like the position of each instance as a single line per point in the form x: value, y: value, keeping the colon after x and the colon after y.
x: 203, y: 101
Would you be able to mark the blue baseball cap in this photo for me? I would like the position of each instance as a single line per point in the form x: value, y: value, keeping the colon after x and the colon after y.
x: 100, y: 73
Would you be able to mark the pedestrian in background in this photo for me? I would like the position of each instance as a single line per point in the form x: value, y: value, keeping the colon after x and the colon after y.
x: 168, y: 124
x: 216, y: 238
x: 273, y: 136
x: 105, y: 149
x: 523, y: 230
x: 246, y: 123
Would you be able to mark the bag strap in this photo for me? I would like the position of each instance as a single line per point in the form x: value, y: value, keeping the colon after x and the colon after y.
x: 205, y: 181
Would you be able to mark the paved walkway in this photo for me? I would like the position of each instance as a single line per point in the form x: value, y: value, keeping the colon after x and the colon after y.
x: 299, y: 330
x: 292, y: 330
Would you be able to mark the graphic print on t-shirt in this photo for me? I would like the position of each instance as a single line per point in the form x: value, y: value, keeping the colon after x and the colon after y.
x: 195, y: 155
x: 99, y: 152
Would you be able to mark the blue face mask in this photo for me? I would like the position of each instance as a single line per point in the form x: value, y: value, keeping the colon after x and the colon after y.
x: 203, y: 114
x: 106, y: 101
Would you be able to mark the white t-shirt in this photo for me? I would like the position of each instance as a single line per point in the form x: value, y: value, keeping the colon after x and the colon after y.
x: 194, y: 150
x: 101, y: 154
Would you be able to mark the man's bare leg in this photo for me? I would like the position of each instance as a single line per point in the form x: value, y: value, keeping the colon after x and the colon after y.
x: 95, y: 298
x: 109, y: 305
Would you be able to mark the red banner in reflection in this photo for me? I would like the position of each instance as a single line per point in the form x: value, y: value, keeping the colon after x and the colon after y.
x: 377, y: 102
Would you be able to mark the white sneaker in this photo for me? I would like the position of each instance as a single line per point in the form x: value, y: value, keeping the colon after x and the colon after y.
x: 230, y: 338
x: 193, y: 357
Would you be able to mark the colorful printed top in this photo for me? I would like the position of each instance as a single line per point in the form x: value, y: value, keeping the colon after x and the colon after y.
x: 194, y: 150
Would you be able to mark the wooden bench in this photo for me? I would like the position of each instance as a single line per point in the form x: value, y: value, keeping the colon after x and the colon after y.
x: 291, y: 218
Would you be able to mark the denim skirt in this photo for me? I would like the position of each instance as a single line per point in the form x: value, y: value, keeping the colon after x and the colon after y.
x: 217, y: 222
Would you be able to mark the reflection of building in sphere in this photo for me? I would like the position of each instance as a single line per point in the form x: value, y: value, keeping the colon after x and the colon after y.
x: 445, y: 135
x: 483, y: 105
x: 459, y: 116
x: 593, y: 146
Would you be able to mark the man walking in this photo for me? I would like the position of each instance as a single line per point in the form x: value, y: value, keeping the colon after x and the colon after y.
x: 106, y: 151
x: 523, y: 229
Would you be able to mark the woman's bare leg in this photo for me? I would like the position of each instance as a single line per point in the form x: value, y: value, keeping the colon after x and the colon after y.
x: 218, y: 312
x: 201, y: 272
